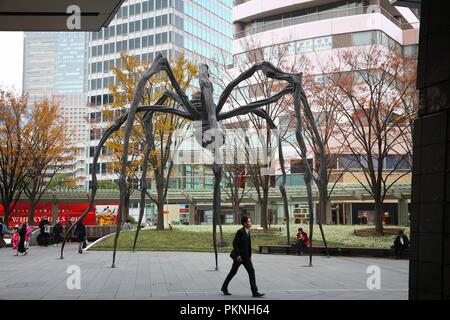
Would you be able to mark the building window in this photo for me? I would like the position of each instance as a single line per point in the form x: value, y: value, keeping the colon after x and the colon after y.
x: 348, y: 161
x: 323, y: 43
x: 398, y: 162
x: 363, y: 38
x: 305, y: 45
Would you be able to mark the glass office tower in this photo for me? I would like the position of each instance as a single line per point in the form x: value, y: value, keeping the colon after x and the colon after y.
x: 54, y: 62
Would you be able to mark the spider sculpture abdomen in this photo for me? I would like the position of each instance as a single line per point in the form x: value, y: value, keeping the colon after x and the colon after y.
x: 208, y: 137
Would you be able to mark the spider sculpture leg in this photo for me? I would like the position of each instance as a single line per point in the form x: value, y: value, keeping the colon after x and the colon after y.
x: 116, y: 126
x: 294, y: 81
x: 266, y: 67
x: 303, y: 151
x: 310, y: 117
x: 263, y: 114
x: 217, y: 170
x: 148, y: 131
x: 206, y: 89
x: 113, y: 128
x: 160, y: 64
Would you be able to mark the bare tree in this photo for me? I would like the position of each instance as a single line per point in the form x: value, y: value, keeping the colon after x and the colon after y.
x: 378, y: 105
x: 320, y: 130
x: 235, y: 174
x: 260, y: 166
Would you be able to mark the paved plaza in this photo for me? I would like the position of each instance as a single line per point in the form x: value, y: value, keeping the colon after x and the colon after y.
x: 186, y: 275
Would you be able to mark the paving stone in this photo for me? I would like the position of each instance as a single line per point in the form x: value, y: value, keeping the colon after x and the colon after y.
x: 183, y: 276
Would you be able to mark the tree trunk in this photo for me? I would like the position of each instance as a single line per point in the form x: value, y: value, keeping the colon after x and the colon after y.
x: 219, y: 218
x: 6, y: 217
x: 379, y: 215
x: 264, y: 205
x: 324, y: 206
x: 126, y: 207
x: 160, y: 206
x: 236, y: 214
x: 32, y: 209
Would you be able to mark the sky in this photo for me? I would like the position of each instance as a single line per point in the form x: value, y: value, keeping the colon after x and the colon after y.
x: 11, y: 57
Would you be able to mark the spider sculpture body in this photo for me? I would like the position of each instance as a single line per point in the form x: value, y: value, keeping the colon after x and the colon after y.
x: 201, y: 108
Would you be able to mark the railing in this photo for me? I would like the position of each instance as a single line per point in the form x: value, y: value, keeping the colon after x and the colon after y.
x: 322, y: 16
x: 206, y: 182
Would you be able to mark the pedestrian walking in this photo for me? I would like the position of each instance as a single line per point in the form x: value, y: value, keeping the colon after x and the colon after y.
x: 242, y: 254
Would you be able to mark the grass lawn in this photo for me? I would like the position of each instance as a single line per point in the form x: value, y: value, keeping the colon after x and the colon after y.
x: 199, y: 238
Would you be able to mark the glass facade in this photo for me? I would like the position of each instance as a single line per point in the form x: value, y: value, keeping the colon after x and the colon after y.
x: 354, y: 39
x: 200, y: 29
x: 54, y: 62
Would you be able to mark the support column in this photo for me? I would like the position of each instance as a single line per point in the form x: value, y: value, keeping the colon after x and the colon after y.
x: 192, y: 212
x: 54, y: 211
x: 257, y: 217
x: 402, y: 213
x: 348, y: 213
x: 338, y: 220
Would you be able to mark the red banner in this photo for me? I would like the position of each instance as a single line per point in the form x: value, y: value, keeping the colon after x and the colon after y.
x: 100, y: 214
x: 21, y: 212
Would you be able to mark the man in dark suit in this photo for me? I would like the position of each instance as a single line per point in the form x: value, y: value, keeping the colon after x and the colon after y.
x: 242, y: 254
x: 401, y: 243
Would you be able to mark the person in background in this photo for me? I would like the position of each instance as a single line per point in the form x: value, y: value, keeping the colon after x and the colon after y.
x: 302, y: 241
x: 68, y: 225
x: 57, y: 231
x: 127, y: 226
x: 401, y: 243
x: 28, y: 237
x: 80, y: 233
x: 21, y: 248
x: 15, y: 237
x: 45, y: 233
x: 3, y: 231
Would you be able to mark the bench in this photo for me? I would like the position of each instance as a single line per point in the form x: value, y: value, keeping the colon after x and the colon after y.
x: 333, y: 251
x: 274, y: 248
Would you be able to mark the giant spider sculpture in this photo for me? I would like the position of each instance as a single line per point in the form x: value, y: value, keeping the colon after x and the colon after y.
x: 202, y: 108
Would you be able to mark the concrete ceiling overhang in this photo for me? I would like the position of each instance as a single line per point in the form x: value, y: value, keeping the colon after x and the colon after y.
x: 414, y: 4
x: 51, y: 15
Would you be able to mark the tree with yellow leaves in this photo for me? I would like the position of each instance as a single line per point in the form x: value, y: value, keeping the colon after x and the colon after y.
x: 163, y: 127
x: 14, y: 151
x: 51, y: 150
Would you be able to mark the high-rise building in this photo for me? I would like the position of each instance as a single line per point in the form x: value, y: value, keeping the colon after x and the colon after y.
x: 55, y: 65
x: 54, y: 62
x: 200, y: 29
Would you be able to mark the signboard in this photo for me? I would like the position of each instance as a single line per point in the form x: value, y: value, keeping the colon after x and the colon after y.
x: 323, y: 43
x: 100, y: 214
x: 305, y: 45
x: 21, y: 211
